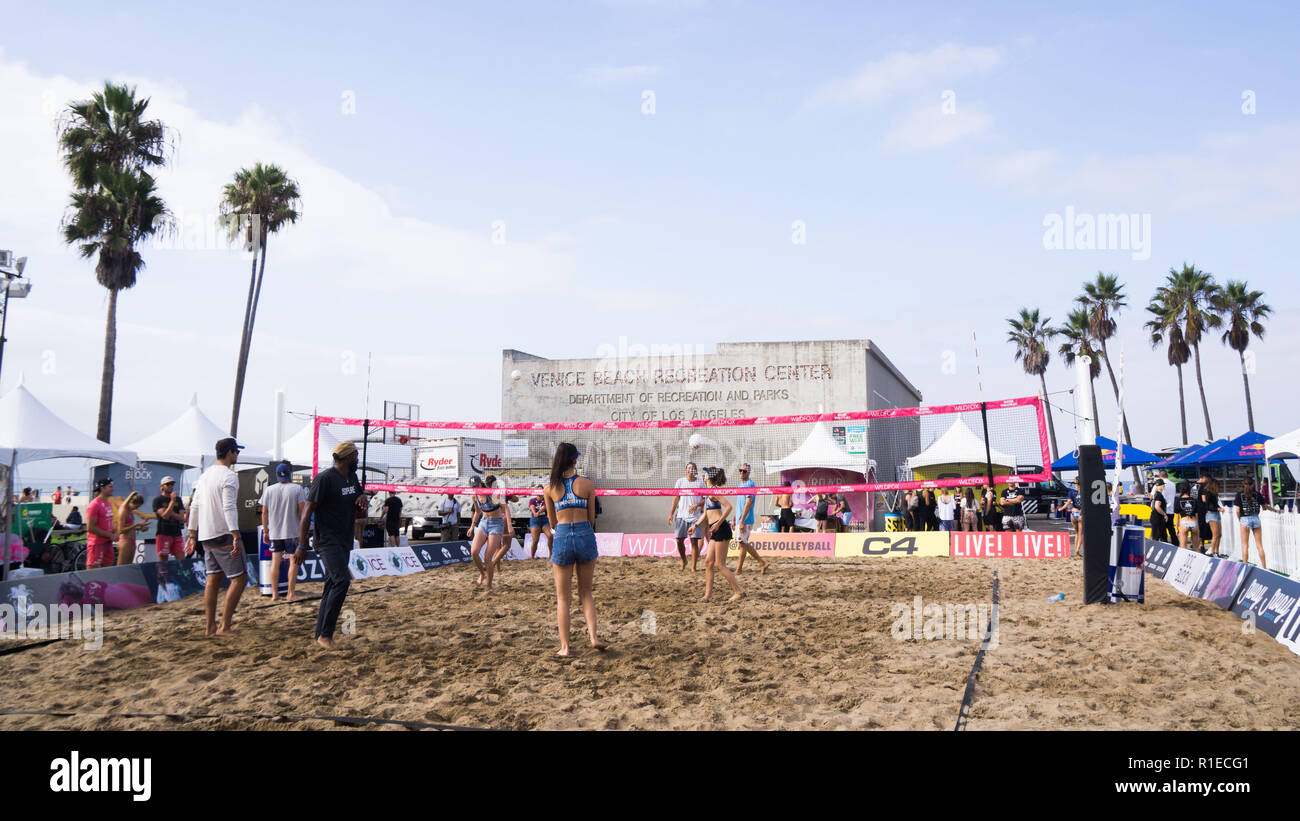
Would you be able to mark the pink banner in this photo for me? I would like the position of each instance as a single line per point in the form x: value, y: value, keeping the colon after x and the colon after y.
x: 655, y: 545
x: 819, y: 545
x: 1026, y: 544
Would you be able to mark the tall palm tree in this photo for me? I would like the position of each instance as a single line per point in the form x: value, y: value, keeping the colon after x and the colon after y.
x: 260, y: 202
x: 1077, y: 332
x: 108, y: 144
x: 1103, y: 300
x: 1164, y: 326
x: 1031, y: 335
x: 1244, y: 311
x: 1190, y: 294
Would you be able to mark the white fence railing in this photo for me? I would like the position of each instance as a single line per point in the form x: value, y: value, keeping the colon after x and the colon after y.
x: 1281, y: 533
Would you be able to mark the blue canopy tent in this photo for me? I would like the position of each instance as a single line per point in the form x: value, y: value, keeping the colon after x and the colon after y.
x: 1246, y: 448
x: 1192, y: 455
x: 1132, y: 456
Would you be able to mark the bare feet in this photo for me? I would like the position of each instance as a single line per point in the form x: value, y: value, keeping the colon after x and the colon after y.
x: 212, y: 630
x: 325, y: 642
x: 563, y: 652
x: 599, y: 645
x: 762, y: 568
x: 736, y: 597
x: 293, y: 597
x: 225, y: 631
x: 706, y: 597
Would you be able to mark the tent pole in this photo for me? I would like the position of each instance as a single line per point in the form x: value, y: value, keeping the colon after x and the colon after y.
x: 9, y: 513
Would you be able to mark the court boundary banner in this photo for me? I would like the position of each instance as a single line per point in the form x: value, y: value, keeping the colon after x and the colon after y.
x: 892, y: 545
x: 775, y: 545
x: 1023, y: 544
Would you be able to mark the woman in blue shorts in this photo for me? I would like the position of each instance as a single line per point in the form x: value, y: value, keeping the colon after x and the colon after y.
x: 1248, y: 506
x: 493, y: 528
x: 571, y: 507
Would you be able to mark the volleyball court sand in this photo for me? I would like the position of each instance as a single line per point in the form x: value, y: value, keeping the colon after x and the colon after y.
x: 810, y: 648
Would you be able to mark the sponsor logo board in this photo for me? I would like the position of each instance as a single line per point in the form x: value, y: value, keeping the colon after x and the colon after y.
x: 817, y: 545
x: 383, y: 561
x: 890, y: 545
x: 1026, y: 544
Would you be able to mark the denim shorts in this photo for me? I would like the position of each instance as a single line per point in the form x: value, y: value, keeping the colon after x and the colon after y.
x: 1251, y: 522
x: 538, y: 521
x: 574, y: 542
x: 492, y: 526
x: 1213, y: 517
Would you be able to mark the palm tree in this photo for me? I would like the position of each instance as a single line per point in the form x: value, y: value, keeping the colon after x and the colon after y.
x: 1243, y: 309
x: 1163, y: 326
x: 1103, y: 300
x: 107, y: 145
x: 1077, y: 332
x: 1190, y: 295
x: 260, y: 201
x: 1031, y: 335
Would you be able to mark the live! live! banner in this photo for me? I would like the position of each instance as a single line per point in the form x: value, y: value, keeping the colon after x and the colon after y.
x: 963, y: 545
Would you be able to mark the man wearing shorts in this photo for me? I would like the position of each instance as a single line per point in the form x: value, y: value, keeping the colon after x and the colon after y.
x: 282, y: 505
x: 214, y: 524
x: 99, y: 527
x: 1013, y: 517
x: 393, y: 518
x: 685, y: 513
x: 745, y: 522
x: 171, y: 515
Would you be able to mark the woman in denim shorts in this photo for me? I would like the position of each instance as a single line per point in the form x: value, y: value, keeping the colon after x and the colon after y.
x: 571, y: 507
x: 1248, y: 506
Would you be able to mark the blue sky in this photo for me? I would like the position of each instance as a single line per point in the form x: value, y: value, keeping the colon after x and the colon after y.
x: 672, y: 227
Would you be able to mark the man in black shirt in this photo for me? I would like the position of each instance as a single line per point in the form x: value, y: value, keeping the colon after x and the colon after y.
x: 1013, y: 517
x: 171, y: 513
x: 392, y: 517
x: 336, y: 499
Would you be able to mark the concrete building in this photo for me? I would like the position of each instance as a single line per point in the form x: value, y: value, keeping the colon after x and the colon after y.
x: 744, y: 379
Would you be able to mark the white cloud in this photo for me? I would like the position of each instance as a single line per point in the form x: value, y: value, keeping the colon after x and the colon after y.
x: 612, y: 75
x: 1026, y: 169
x: 929, y: 127
x: 906, y: 71
x: 381, y: 282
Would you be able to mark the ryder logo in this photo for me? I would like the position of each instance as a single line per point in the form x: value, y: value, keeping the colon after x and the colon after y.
x: 75, y: 774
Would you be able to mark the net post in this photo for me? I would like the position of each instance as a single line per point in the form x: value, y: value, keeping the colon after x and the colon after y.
x: 988, y: 450
x: 365, y: 442
x: 315, y: 444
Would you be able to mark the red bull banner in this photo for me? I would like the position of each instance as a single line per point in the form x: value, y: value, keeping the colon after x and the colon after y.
x: 1025, y: 544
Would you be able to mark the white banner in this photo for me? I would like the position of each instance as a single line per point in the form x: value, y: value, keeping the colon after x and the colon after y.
x: 1186, y: 569
x: 383, y: 561
x: 441, y: 461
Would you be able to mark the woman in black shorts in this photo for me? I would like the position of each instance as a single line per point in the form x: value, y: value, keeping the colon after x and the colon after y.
x: 785, y: 503
x: 823, y: 511
x: 716, y: 526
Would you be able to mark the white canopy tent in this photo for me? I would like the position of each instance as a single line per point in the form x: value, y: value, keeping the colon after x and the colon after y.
x: 31, y: 432
x: 959, y: 445
x: 1286, y: 446
x: 187, y: 441
x: 819, y: 450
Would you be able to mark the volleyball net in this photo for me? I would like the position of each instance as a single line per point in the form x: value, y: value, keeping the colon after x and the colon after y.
x: 892, y: 449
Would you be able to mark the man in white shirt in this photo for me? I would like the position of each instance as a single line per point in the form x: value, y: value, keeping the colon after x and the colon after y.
x: 214, y: 524
x: 450, y: 510
x: 685, y: 513
x: 282, y: 505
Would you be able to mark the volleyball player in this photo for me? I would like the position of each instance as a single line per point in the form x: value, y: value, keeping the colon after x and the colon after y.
x: 494, y: 518
x: 571, y: 508
x: 716, y: 528
x: 538, y: 523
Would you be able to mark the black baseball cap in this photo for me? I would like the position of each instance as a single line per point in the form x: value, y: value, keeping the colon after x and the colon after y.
x: 103, y: 483
x: 226, y: 445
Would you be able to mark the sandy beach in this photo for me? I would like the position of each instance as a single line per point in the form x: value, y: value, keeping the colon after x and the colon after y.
x: 809, y: 648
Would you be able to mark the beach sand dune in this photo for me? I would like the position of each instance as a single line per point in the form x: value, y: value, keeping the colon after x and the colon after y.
x: 809, y: 648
